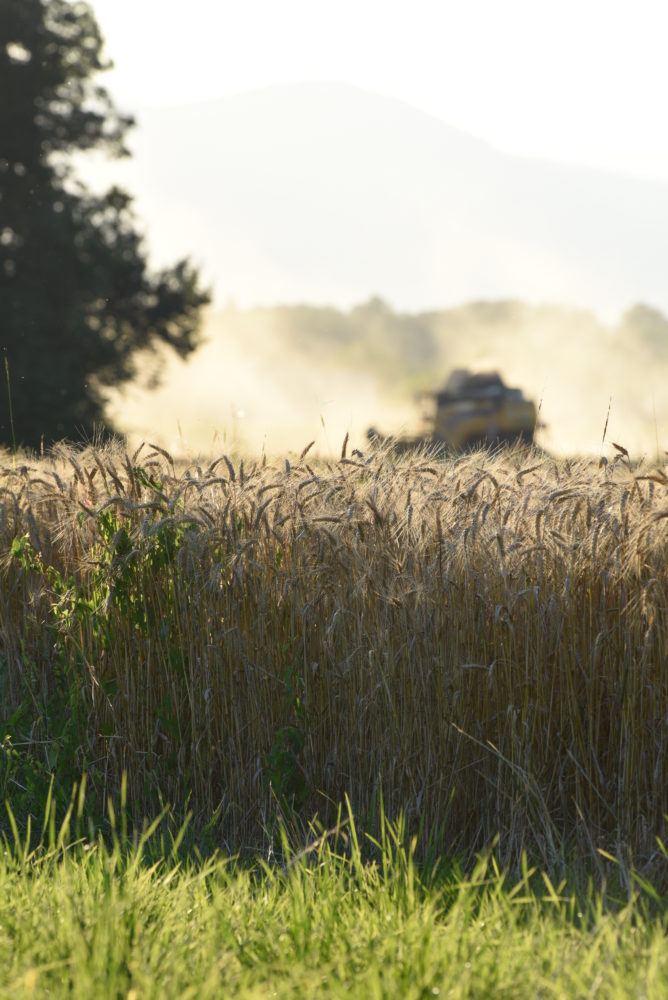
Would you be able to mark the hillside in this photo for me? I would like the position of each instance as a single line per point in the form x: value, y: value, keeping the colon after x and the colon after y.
x: 324, y: 193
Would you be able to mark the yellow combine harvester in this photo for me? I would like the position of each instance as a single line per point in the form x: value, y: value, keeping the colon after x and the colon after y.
x: 470, y: 411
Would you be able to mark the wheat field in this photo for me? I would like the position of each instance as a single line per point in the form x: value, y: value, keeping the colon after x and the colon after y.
x: 477, y: 643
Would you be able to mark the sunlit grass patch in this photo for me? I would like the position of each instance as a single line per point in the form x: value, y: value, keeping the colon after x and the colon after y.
x: 343, y: 916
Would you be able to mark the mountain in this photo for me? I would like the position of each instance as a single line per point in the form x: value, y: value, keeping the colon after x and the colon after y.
x: 324, y: 193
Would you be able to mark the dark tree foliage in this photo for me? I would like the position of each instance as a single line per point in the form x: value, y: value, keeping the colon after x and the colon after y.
x: 77, y: 300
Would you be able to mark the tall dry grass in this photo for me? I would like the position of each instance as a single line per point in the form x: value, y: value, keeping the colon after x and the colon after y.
x: 482, y: 640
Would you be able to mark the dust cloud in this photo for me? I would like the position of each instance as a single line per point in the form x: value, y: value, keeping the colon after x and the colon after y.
x: 245, y: 390
x: 274, y: 379
x: 582, y: 373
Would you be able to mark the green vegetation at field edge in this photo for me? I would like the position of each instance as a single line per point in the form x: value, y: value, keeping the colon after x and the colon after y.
x: 346, y: 916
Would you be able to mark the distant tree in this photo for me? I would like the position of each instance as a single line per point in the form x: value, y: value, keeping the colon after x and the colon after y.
x: 643, y: 326
x: 77, y: 300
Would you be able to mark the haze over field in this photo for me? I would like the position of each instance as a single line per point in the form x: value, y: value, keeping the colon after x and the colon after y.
x: 325, y: 194
x: 552, y: 190
x: 279, y: 377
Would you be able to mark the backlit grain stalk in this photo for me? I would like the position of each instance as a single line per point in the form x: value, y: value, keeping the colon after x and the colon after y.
x: 482, y: 640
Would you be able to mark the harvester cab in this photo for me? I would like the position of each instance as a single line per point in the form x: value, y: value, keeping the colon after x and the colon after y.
x: 480, y: 409
x: 473, y: 410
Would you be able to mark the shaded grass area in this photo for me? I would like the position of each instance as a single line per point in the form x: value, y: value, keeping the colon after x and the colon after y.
x: 479, y: 642
x: 345, y: 916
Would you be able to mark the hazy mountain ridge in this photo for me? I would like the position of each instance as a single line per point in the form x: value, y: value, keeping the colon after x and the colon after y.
x: 324, y: 193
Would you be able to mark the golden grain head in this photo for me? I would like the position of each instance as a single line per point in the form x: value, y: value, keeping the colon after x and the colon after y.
x: 489, y: 634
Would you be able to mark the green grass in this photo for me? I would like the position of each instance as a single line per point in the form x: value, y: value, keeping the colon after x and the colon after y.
x: 341, y: 918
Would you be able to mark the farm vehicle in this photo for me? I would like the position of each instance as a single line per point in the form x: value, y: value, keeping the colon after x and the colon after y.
x: 471, y: 410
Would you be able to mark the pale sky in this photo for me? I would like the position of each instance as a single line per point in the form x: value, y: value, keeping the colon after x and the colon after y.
x: 581, y: 81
